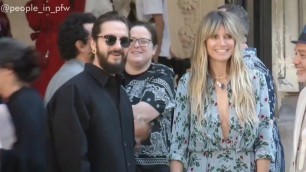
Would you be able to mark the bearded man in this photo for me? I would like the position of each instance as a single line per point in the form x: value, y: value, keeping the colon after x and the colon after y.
x: 91, y: 118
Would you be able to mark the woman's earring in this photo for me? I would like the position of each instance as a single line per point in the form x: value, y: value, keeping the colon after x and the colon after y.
x: 94, y: 51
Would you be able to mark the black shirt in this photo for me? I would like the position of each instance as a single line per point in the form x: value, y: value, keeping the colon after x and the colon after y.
x: 89, y: 132
x: 29, y: 117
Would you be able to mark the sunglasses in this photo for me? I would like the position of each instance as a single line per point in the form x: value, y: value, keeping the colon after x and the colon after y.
x: 111, y: 40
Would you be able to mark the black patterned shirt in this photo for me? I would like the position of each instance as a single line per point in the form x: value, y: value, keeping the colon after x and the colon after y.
x: 155, y: 87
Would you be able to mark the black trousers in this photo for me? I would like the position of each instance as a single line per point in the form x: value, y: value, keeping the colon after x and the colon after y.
x: 152, y: 168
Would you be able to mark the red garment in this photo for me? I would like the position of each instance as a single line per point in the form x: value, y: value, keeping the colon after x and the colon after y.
x: 45, y: 22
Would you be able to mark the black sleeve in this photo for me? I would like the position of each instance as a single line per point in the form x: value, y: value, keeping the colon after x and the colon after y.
x: 28, y: 153
x: 68, y: 119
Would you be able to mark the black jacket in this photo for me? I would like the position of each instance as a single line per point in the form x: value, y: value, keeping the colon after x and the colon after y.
x: 29, y: 153
x: 88, y: 131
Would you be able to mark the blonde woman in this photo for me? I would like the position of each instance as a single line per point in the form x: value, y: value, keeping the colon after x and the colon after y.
x: 222, y: 119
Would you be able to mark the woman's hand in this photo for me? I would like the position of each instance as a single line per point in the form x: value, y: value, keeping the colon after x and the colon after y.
x: 176, y: 166
x: 142, y: 130
x: 263, y: 165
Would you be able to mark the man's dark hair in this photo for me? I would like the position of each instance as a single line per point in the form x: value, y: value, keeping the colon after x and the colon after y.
x: 72, y: 30
x: 240, y: 13
x: 150, y: 28
x: 109, y: 16
x: 20, y: 58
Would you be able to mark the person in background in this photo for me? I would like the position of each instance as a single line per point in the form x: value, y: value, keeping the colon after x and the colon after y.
x: 158, y: 13
x: 150, y: 88
x: 19, y: 67
x: 98, y: 7
x: 90, y: 116
x: 5, y: 27
x: 45, y: 22
x: 254, y: 63
x: 74, y: 46
x: 298, y: 158
x: 222, y: 118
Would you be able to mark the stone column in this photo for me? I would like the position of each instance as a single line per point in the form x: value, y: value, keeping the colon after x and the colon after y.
x: 284, y: 29
x: 250, y: 10
x: 302, y: 13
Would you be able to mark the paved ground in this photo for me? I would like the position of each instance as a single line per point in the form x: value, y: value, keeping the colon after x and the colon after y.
x: 286, y: 125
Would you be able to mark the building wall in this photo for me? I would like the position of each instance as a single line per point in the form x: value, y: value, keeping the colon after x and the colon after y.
x: 184, y: 18
x: 302, y: 13
x: 285, y: 27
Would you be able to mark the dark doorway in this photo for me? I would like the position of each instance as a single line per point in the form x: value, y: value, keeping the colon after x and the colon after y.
x: 263, y: 30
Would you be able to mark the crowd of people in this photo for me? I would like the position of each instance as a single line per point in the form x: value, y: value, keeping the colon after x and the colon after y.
x: 114, y: 105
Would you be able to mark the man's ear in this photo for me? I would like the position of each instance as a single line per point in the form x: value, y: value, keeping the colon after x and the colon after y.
x: 93, y: 45
x: 79, y: 45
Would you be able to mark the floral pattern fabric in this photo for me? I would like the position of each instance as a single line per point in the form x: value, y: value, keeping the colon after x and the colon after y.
x: 254, y: 63
x: 202, y: 148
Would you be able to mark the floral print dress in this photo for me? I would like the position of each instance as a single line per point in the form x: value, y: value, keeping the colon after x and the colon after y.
x: 253, y: 62
x: 203, y: 148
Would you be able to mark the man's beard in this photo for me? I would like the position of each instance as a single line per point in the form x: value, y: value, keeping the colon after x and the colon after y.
x: 109, y: 67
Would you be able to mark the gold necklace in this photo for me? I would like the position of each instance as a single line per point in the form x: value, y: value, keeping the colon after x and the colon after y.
x: 221, y: 77
x: 220, y: 84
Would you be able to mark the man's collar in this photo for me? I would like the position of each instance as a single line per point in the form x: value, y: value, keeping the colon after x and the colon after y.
x: 100, y: 75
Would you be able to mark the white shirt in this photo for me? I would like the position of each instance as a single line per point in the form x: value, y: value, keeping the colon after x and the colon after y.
x: 7, y: 129
x: 145, y: 9
x: 98, y: 7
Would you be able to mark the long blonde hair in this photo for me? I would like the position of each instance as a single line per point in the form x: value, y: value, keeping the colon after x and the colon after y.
x: 244, y: 102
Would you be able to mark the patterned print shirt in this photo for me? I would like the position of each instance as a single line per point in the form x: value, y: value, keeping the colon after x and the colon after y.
x: 254, y: 63
x: 155, y: 87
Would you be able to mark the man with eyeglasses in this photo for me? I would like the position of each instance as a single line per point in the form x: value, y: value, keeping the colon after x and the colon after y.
x: 74, y: 46
x: 150, y: 88
x: 91, y: 118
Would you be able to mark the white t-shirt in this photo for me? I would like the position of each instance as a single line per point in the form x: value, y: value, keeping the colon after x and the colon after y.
x: 145, y: 9
x: 7, y: 129
x: 301, y: 152
x: 98, y: 7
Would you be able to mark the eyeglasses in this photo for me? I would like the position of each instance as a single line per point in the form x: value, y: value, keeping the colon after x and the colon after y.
x: 143, y: 42
x: 111, y: 40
